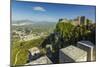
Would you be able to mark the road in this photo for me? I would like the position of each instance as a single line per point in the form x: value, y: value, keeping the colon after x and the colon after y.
x: 16, y: 57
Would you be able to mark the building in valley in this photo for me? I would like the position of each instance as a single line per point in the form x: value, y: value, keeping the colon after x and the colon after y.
x: 34, y: 53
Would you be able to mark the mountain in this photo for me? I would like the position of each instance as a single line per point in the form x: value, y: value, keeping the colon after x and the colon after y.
x: 29, y: 22
x: 35, y: 26
x: 22, y: 22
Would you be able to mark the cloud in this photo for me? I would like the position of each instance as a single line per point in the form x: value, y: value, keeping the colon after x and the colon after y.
x: 39, y: 8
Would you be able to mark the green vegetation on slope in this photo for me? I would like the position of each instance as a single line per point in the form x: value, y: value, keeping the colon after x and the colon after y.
x: 23, y: 47
x: 64, y: 29
x: 70, y: 34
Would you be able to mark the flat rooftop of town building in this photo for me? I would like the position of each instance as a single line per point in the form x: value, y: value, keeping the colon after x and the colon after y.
x: 74, y: 52
x: 86, y: 43
x: 41, y: 60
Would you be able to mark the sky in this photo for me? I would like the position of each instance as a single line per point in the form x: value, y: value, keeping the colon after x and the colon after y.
x: 37, y: 11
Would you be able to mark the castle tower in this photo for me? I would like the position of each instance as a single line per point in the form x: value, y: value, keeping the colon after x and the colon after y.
x: 81, y: 20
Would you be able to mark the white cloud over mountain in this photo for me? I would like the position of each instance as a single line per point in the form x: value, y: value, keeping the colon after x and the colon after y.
x: 39, y: 8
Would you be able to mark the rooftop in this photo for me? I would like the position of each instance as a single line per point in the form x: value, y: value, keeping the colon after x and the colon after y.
x: 74, y: 52
x: 86, y: 43
x: 41, y: 60
x: 34, y: 50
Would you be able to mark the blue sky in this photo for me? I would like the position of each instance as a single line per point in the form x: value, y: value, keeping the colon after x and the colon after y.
x: 37, y: 11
